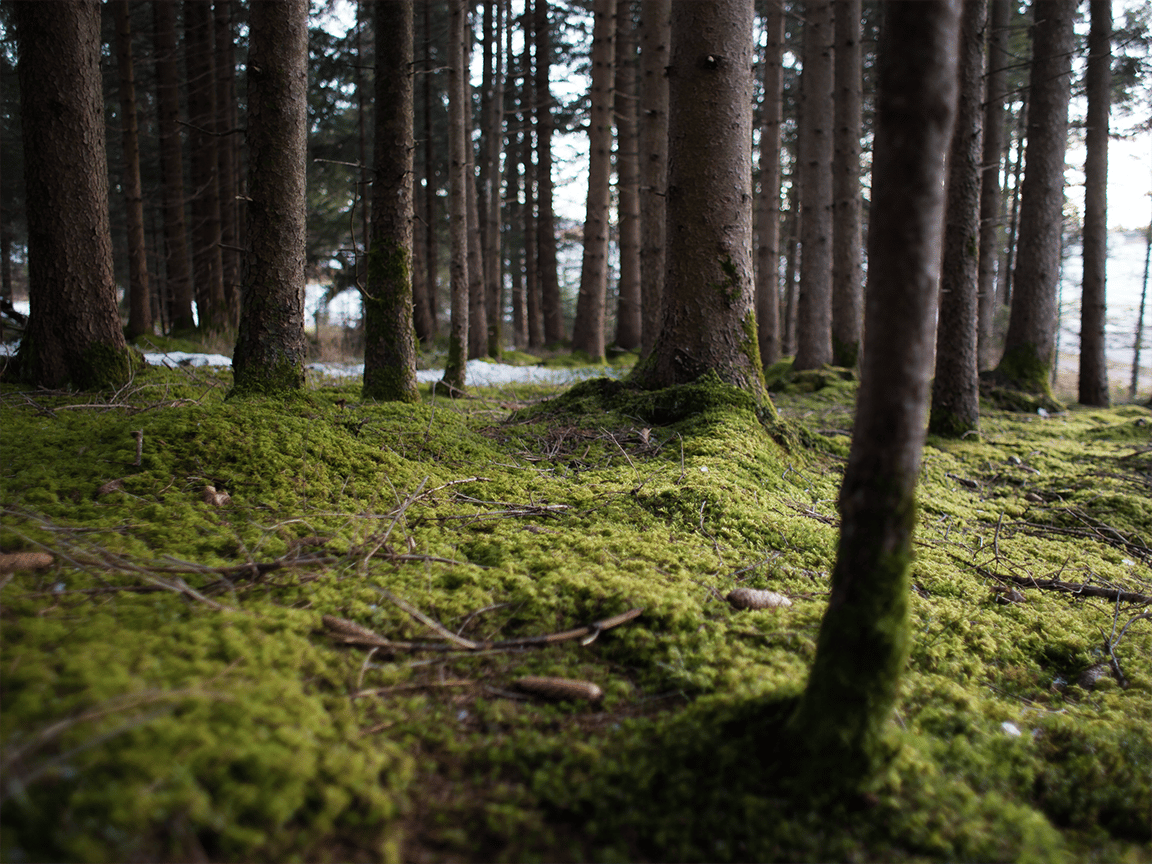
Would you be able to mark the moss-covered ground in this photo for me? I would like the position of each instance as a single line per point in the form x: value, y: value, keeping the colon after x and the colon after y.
x: 170, y: 689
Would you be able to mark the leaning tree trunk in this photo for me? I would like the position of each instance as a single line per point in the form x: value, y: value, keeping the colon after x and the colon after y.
x: 458, y: 179
x: 1093, y: 361
x: 768, y: 222
x: 956, y: 385
x: 655, y: 36
x: 73, y: 337
x: 389, y: 338
x: 863, y: 641
x: 709, y: 323
x: 847, y: 289
x: 270, y: 347
x: 1030, y: 346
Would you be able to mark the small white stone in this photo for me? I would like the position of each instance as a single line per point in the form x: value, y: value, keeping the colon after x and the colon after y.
x: 703, y: 469
x: 1011, y: 729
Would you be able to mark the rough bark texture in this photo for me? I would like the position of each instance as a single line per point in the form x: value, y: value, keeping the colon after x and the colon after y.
x: 550, y: 306
x: 532, y: 301
x: 1030, y: 346
x: 628, y: 310
x: 847, y: 287
x: 708, y: 323
x: 228, y: 158
x: 139, y: 301
x: 814, y: 303
x: 73, y: 337
x: 454, y: 368
x: 1093, y: 363
x: 477, y: 308
x: 991, y: 198
x: 863, y: 641
x: 270, y: 347
x: 588, y: 328
x: 178, y: 264
x: 493, y: 146
x: 655, y: 37
x: 432, y: 282
x: 389, y: 338
x: 768, y: 215
x: 956, y: 386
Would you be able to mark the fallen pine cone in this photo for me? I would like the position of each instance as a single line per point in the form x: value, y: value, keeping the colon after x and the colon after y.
x: 10, y: 562
x: 755, y: 598
x: 561, y: 689
x: 215, y: 499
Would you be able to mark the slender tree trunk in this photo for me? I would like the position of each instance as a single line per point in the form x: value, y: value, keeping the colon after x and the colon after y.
x: 791, y: 265
x: 768, y: 222
x: 655, y: 39
x: 588, y: 328
x: 491, y: 176
x: 863, y: 641
x: 847, y: 288
x: 477, y: 309
x: 430, y: 209
x: 956, y: 386
x: 1010, y: 246
x: 814, y: 304
x: 389, y: 340
x: 139, y: 301
x: 177, y: 260
x: 270, y: 346
x: 532, y: 298
x: 228, y: 158
x: 1137, y: 342
x: 991, y: 197
x: 1029, y: 349
x: 1093, y: 362
x: 73, y: 336
x: 458, y: 179
x: 628, y: 309
x: 550, y: 305
x: 421, y: 320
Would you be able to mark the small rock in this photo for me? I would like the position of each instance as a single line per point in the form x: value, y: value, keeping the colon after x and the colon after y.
x: 1093, y: 674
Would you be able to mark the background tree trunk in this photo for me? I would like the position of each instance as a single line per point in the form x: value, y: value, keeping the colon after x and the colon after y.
x: 1093, y: 362
x: 814, y: 302
x: 768, y: 222
x: 491, y: 178
x: 628, y: 311
x: 458, y: 179
x: 389, y: 339
x: 550, y: 305
x: 863, y: 641
x: 270, y: 347
x: 228, y: 159
x: 956, y: 385
x: 73, y: 336
x: 430, y: 209
x: 532, y: 297
x: 847, y: 290
x: 991, y: 197
x: 655, y: 38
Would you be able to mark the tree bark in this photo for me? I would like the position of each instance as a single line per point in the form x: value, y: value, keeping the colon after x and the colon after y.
x: 73, y: 337
x: 768, y: 221
x: 991, y: 197
x: 588, y: 328
x: 532, y: 299
x: 550, y: 305
x: 628, y: 310
x: 430, y: 240
x: 1030, y: 346
x: 270, y: 346
x: 492, y: 177
x: 863, y: 641
x: 139, y: 301
x: 956, y: 387
x: 655, y: 39
x: 455, y: 367
x: 847, y: 288
x: 709, y: 323
x: 389, y: 338
x: 1093, y: 362
x: 228, y: 159
x: 814, y: 302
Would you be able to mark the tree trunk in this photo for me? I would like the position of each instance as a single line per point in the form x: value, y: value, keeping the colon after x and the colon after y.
x: 991, y: 197
x: 588, y: 328
x: 655, y: 38
x: 176, y: 259
x: 956, y: 386
x: 1029, y: 349
x: 1093, y: 362
x: 814, y: 303
x: 847, y: 289
x: 362, y: 194
x: 1004, y: 286
x: 532, y: 299
x: 270, y: 347
x: 491, y: 176
x: 73, y: 337
x: 430, y: 245
x: 768, y: 222
x: 228, y: 159
x: 628, y: 311
x: 863, y: 641
x: 791, y: 265
x: 709, y: 323
x: 550, y: 305
x: 139, y: 301
x: 458, y: 179
x: 477, y: 309
x: 389, y: 340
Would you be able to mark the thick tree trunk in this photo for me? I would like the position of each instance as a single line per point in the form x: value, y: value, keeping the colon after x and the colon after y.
x: 628, y: 309
x: 228, y: 159
x: 1093, y: 362
x: 73, y: 337
x: 814, y: 303
x: 991, y: 197
x: 1030, y: 346
x: 270, y: 347
x: 389, y: 340
x: 588, y: 328
x: 956, y: 386
x: 863, y: 642
x: 768, y: 221
x: 847, y: 289
x: 550, y: 305
x: 458, y: 180
x: 177, y: 260
x: 709, y: 323
x: 139, y: 301
x: 655, y: 38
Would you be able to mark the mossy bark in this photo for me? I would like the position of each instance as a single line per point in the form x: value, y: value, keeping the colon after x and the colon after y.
x: 454, y: 368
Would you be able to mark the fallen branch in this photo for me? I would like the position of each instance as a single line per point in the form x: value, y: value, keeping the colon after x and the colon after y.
x: 1060, y: 585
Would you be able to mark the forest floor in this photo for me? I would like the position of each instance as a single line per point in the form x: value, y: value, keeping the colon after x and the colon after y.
x: 324, y: 629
